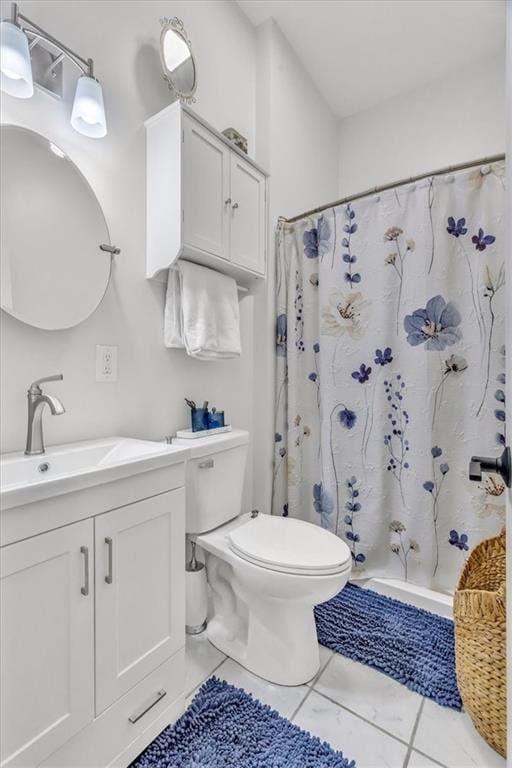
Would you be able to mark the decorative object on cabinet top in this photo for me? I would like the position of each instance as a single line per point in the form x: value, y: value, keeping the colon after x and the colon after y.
x: 206, y: 201
x: 236, y: 138
x: 178, y: 62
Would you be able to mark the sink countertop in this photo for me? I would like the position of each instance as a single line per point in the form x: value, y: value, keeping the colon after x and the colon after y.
x: 74, y: 466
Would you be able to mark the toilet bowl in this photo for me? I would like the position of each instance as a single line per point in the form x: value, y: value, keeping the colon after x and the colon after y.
x: 266, y: 573
x: 263, y: 606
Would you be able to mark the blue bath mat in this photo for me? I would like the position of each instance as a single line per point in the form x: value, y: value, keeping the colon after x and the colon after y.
x: 225, y: 727
x: 409, y: 644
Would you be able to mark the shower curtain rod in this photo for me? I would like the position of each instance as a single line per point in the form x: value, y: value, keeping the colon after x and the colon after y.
x: 401, y: 182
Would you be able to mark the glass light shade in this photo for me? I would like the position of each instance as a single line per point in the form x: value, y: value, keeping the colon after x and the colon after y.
x: 88, y: 115
x: 15, y: 66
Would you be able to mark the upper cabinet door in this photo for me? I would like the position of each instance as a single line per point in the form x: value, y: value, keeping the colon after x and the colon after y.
x: 47, y: 642
x: 248, y: 215
x: 140, y: 591
x: 206, y: 204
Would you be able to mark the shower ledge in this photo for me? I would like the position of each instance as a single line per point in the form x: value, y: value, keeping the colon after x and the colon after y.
x: 431, y: 600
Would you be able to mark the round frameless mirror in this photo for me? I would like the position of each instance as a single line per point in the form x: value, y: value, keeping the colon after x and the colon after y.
x: 178, y: 63
x: 53, y: 271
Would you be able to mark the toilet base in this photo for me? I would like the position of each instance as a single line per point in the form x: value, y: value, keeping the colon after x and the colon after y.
x: 297, y: 667
x: 266, y: 624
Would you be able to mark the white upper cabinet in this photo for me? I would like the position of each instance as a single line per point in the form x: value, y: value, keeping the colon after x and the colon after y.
x: 47, y: 642
x: 248, y: 229
x: 205, y: 185
x: 206, y: 200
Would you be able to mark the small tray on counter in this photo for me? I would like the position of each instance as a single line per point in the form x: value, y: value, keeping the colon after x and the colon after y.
x: 187, y: 434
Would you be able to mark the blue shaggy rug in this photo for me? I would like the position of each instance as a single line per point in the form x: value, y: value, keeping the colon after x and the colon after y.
x: 225, y: 727
x: 409, y: 644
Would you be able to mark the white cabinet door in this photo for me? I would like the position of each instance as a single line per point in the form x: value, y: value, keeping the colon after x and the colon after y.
x: 47, y: 642
x: 248, y: 215
x: 206, y: 207
x: 140, y: 591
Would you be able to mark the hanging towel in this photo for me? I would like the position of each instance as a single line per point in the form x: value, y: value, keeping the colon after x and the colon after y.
x: 201, y: 312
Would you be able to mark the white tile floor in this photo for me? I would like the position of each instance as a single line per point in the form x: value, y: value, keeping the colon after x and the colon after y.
x: 369, y: 717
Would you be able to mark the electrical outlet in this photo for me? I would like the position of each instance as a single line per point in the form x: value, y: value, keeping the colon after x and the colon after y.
x: 106, y: 363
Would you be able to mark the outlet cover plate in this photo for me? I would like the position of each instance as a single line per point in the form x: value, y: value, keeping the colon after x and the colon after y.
x: 106, y: 363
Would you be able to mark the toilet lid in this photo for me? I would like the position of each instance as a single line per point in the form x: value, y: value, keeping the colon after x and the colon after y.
x: 286, y: 544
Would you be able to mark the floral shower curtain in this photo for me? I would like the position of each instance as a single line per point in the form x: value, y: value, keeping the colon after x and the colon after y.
x: 390, y: 373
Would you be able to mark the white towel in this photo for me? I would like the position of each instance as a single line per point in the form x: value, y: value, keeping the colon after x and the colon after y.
x: 202, y: 313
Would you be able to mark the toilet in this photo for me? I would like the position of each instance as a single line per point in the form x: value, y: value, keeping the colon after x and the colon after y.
x: 266, y: 573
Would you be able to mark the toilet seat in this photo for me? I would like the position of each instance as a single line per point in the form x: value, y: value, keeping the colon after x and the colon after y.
x: 290, y: 546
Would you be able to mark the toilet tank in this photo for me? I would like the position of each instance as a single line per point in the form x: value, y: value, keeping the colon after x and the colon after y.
x: 214, y: 476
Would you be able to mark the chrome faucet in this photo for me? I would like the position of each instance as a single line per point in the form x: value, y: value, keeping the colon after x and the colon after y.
x: 36, y: 402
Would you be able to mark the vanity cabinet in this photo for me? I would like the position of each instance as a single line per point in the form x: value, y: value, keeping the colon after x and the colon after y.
x: 139, y: 559
x: 93, y: 623
x: 206, y: 200
x: 47, y: 642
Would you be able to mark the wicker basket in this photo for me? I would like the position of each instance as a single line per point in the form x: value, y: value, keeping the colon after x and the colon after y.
x: 480, y: 651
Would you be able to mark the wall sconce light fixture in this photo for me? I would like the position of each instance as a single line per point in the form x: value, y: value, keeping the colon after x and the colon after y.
x: 20, y: 40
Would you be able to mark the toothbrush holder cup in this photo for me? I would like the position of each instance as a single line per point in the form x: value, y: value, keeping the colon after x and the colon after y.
x: 199, y: 417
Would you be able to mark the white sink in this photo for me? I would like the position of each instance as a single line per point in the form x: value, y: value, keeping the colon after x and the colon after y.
x: 71, y: 467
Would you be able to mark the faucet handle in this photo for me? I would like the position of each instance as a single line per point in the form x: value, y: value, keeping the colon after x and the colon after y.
x: 35, y: 389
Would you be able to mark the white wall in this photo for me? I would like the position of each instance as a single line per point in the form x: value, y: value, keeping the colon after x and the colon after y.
x: 298, y: 142
x: 453, y: 120
x: 297, y: 138
x: 147, y: 401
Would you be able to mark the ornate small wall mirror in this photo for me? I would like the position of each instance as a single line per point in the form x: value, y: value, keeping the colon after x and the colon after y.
x: 178, y: 63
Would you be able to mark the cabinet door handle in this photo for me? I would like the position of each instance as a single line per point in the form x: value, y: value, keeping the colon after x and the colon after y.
x: 207, y: 464
x: 227, y: 201
x: 146, y: 707
x: 85, y: 589
x: 108, y: 577
x: 235, y: 206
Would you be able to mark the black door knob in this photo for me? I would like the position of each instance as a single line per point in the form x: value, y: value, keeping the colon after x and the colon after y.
x: 501, y: 466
